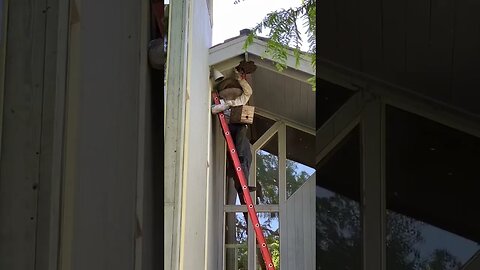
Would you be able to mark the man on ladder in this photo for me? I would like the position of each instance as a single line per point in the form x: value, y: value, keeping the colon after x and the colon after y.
x: 237, y: 92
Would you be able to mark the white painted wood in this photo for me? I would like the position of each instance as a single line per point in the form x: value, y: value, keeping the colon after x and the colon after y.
x: 258, y: 207
x: 337, y: 139
x: 102, y: 137
x: 299, y: 230
x: 142, y: 141
x: 288, y: 122
x: 21, y: 133
x: 282, y: 186
x: 266, y: 137
x: 197, y: 116
x: 285, y: 97
x: 270, y: 65
x: 473, y: 263
x: 234, y: 48
x: 52, y: 136
x: 70, y: 139
x: 373, y: 190
x: 347, y: 113
x: 219, y: 180
x: 405, y: 98
x: 3, y: 43
x: 174, y: 128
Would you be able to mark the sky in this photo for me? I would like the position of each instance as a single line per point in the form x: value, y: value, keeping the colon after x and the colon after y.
x: 229, y: 19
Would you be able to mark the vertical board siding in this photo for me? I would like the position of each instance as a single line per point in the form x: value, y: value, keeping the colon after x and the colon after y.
x: 197, y: 147
x: 21, y: 133
x: 300, y: 228
x: 327, y: 28
x: 283, y: 96
x: 106, y: 136
x: 426, y: 46
x: 466, y: 56
x: 370, y: 21
x: 394, y: 39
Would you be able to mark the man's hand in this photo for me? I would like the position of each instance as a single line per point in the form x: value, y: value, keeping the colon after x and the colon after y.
x: 239, y: 75
x: 220, y: 108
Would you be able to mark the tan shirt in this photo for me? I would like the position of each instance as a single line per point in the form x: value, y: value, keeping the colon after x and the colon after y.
x: 239, y: 101
x: 242, y: 99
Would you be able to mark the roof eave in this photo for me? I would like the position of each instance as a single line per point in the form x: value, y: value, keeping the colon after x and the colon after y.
x: 234, y: 48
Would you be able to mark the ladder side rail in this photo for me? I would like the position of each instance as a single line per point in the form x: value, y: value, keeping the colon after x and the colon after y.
x: 241, y: 177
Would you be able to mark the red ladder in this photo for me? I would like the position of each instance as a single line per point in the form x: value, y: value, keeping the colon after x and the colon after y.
x: 241, y: 177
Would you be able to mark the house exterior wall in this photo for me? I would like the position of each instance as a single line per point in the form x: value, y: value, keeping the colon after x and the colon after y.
x: 300, y: 228
x: 193, y: 249
x: 71, y: 142
x: 100, y: 224
x: 430, y: 49
x: 76, y: 152
x: 32, y: 88
x: 187, y: 137
x: 21, y: 129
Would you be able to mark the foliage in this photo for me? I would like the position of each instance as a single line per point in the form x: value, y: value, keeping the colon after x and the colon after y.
x: 338, y: 229
x: 267, y: 175
x: 284, y: 34
x: 339, y: 239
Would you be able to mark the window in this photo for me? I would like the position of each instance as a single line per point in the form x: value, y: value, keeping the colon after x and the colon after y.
x: 274, y: 144
x: 329, y: 99
x: 236, y: 247
x: 300, y: 158
x: 338, y: 228
x: 432, y: 184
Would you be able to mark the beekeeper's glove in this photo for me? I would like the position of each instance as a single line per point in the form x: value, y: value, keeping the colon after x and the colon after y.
x: 219, y: 108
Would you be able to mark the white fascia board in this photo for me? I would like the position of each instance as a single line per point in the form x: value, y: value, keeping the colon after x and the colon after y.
x: 258, y: 47
x: 234, y: 48
x: 226, y: 51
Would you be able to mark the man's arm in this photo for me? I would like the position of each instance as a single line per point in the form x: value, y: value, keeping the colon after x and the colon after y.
x: 242, y: 99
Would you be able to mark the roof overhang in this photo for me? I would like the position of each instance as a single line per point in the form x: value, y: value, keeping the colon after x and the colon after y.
x: 227, y: 55
x: 283, y: 95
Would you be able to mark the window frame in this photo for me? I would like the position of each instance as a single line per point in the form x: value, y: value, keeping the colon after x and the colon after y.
x: 279, y: 127
x: 367, y: 109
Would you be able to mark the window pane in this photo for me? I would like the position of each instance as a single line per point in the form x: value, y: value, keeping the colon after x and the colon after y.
x: 432, y: 193
x: 267, y: 172
x: 300, y: 158
x: 329, y: 98
x: 338, y: 225
x: 270, y: 225
x: 259, y: 126
x: 254, y: 132
x: 236, y: 251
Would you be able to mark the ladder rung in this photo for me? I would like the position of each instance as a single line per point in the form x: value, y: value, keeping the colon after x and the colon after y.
x: 243, y: 182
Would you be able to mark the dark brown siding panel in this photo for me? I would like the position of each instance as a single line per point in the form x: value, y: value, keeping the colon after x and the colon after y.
x: 327, y: 29
x: 417, y: 25
x: 370, y: 12
x: 394, y: 38
x: 347, y: 35
x: 427, y: 46
x: 21, y: 134
x: 466, y: 60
